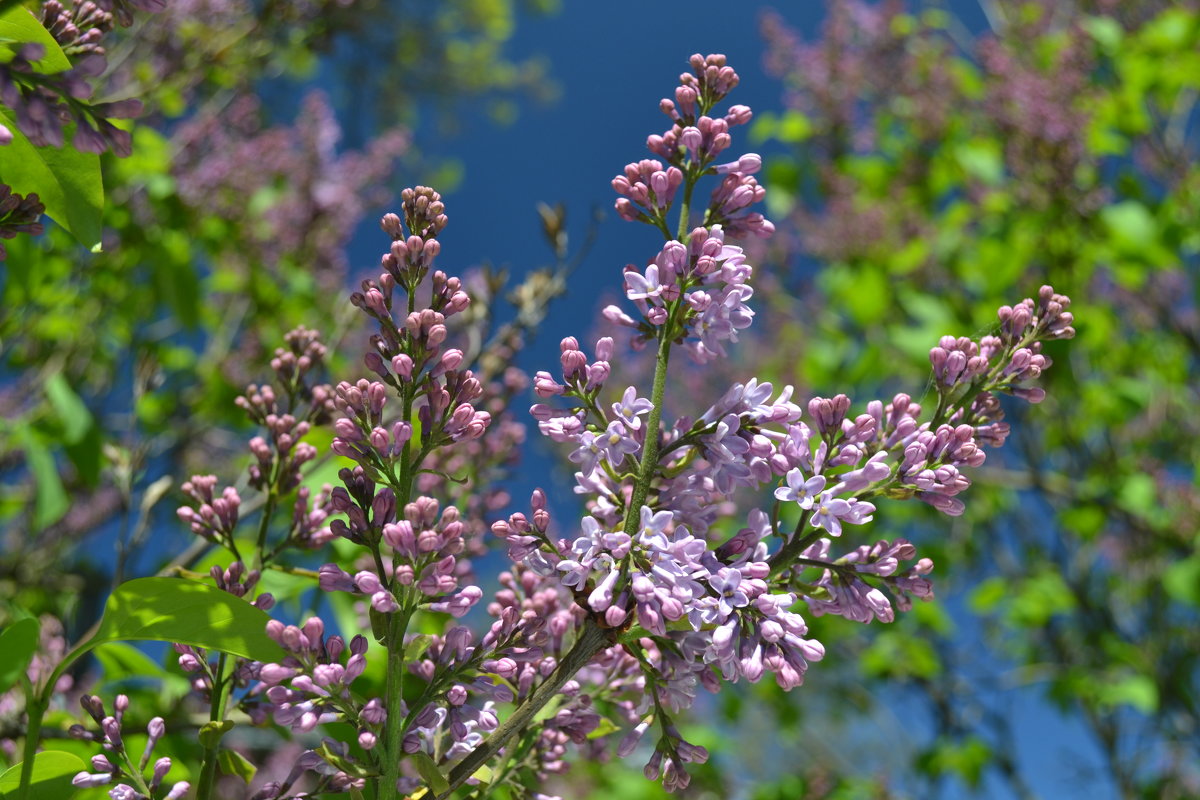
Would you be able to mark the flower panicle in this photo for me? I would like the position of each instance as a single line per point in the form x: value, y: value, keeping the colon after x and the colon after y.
x: 648, y: 189
x: 116, y: 766
x: 710, y: 612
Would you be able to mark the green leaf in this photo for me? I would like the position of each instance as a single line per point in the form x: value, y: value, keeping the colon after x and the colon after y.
x: 211, y: 733
x: 67, y: 181
x: 178, y: 610
x: 430, y: 772
x: 605, y: 727
x: 20, y: 25
x: 1138, y: 495
x: 982, y: 159
x: 17, y: 643
x: 1105, y: 30
x: 1131, y: 225
x: 70, y: 410
x: 1138, y: 691
x: 232, y: 762
x: 1181, y: 580
x: 794, y: 128
x: 1038, y: 598
x: 52, y: 774
x: 86, y: 455
x: 987, y: 595
x: 50, y: 499
x: 346, y: 765
x: 416, y: 647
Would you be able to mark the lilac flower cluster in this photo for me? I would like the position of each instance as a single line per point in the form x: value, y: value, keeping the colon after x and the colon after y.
x: 17, y: 214
x: 44, y: 104
x: 311, y: 685
x: 423, y: 548
x: 647, y: 602
x: 51, y: 648
x: 846, y: 84
x: 705, y: 609
x: 117, y: 764
x: 690, y: 147
x: 712, y: 279
x: 79, y: 29
x: 1036, y: 110
x: 287, y: 415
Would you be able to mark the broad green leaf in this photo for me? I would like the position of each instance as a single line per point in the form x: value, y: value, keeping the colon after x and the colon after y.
x: 20, y: 25
x: 1138, y: 495
x: 178, y: 610
x: 17, y: 643
x: 284, y: 585
x: 71, y: 412
x: 232, y: 762
x: 430, y: 772
x: 794, y: 127
x: 52, y: 774
x: 86, y: 455
x: 50, y: 499
x: 67, y: 181
x: 1038, y: 598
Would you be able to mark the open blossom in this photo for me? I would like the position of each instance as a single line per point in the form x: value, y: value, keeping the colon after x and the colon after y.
x: 800, y: 491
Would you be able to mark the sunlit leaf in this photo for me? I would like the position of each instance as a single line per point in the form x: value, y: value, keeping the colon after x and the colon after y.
x: 177, y: 610
x: 51, y: 779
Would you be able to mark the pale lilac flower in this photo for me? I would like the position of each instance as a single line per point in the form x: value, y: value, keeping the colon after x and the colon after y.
x: 828, y: 513
x: 630, y: 408
x: 729, y: 596
x: 801, y: 491
x: 639, y: 287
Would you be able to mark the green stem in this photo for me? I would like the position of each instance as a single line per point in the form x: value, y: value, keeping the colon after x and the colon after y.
x: 787, y: 554
x: 208, y: 772
x: 397, y: 627
x: 34, y: 709
x: 592, y: 639
x: 268, y: 512
x: 650, y: 448
x: 394, y: 731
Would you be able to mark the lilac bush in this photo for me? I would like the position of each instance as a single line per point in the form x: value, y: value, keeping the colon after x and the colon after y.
x: 705, y: 540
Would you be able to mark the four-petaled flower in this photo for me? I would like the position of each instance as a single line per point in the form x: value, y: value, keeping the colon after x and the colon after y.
x: 828, y: 512
x: 729, y: 596
x: 798, y: 490
x: 630, y: 408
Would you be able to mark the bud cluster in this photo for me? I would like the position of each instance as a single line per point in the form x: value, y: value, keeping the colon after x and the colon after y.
x: 116, y: 764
